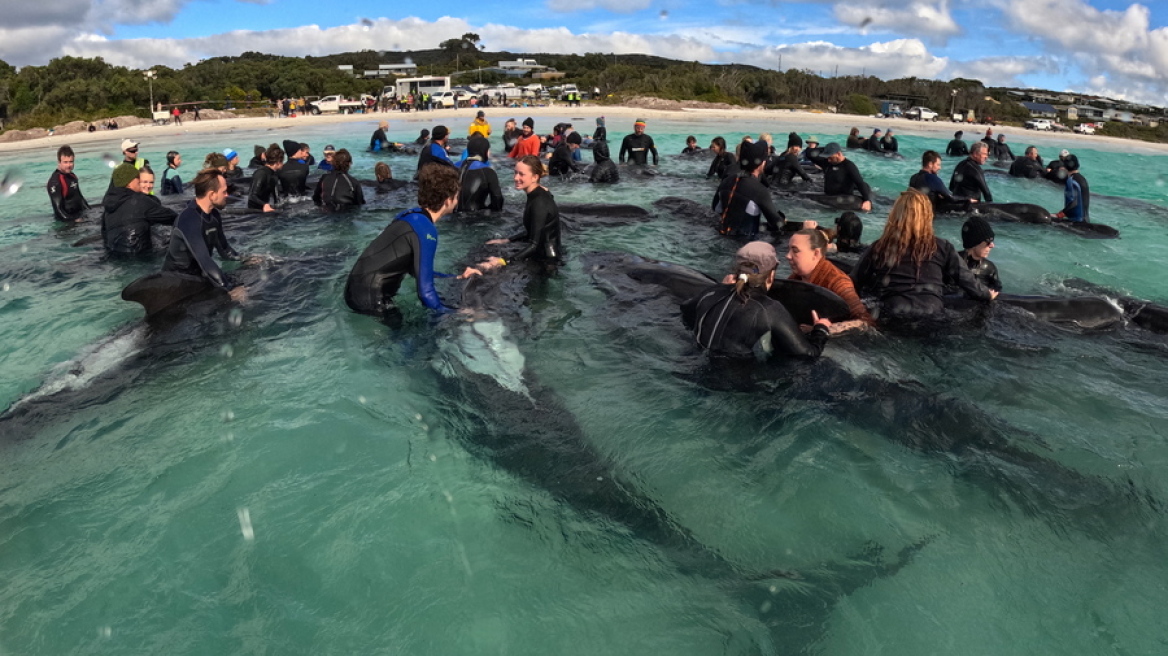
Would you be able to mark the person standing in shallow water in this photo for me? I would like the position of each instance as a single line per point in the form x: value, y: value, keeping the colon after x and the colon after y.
x: 638, y: 145
x: 65, y: 190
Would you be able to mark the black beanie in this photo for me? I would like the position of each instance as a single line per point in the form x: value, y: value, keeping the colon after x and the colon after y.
x: 754, y: 154
x: 975, y: 231
x: 477, y: 146
x: 529, y: 123
x: 1071, y: 162
x: 794, y: 139
x: 575, y: 138
x: 957, y: 134
x: 440, y: 133
x: 849, y: 228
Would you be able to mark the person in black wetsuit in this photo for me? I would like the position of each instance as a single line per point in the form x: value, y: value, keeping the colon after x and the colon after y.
x: 989, y: 141
x: 233, y: 172
x: 977, y: 238
x: 379, y: 141
x: 957, y: 147
x: 294, y: 174
x: 1029, y: 165
x: 264, y: 184
x: 724, y: 163
x: 889, y: 144
x: 739, y: 320
x: 849, y: 229
x: 812, y: 152
x: 511, y: 134
x: 691, y: 146
x: 198, y: 230
x: 337, y: 190
x: 423, y: 137
x: 1056, y: 171
x: 842, y: 178
x: 127, y: 214
x: 908, y: 267
x: 435, y: 151
x: 601, y: 132
x: 875, y: 143
x: 257, y: 159
x: 929, y: 183
x: 64, y: 189
x: 854, y: 139
x: 638, y: 145
x: 541, y: 219
x: 1002, y: 152
x: 742, y: 200
x: 968, y: 181
x: 562, y: 163
x: 406, y: 246
x: 782, y: 170
x: 171, y: 182
x: 479, y: 184
x: 605, y: 170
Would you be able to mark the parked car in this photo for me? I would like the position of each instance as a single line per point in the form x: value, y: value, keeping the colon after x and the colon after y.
x: 921, y: 114
x: 1085, y: 128
x: 1039, y: 124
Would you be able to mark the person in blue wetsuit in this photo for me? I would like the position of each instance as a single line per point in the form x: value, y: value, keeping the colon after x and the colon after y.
x: 1076, y: 193
x: 435, y: 151
x: 406, y: 246
x: 929, y: 183
x: 171, y: 182
x: 379, y: 141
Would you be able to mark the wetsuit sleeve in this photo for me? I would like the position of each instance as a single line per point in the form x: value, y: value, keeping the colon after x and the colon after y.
x: 992, y: 279
x: 714, y: 166
x: 191, y: 232
x: 653, y: 149
x: 955, y: 272
x: 1073, y: 197
x: 358, y: 192
x: 766, y: 203
x: 439, y: 154
x: 863, y: 274
x: 318, y: 192
x: 624, y: 149
x: 786, y: 338
x: 56, y: 189
x: 495, y: 191
x: 937, y: 186
x: 858, y: 180
x: 985, y: 188
x: 793, y: 166
x: 542, y: 210
x: 160, y: 214
x: 424, y: 251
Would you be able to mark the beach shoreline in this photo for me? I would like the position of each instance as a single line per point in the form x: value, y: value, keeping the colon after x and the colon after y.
x: 497, y: 115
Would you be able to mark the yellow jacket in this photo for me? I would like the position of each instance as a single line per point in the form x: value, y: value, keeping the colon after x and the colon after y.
x: 480, y: 126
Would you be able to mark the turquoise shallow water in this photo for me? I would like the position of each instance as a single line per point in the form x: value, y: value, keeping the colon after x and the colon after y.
x: 296, y: 478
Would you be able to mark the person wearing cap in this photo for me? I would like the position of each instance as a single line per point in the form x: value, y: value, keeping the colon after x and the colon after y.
x: 812, y: 151
x: 875, y: 143
x: 198, y: 230
x: 1056, y: 171
x: 479, y: 126
x: 541, y: 219
x: 977, y: 240
x: 528, y: 143
x: 854, y: 139
x: 130, y: 156
x: 327, y: 164
x: 742, y: 200
x: 929, y: 183
x: 406, y: 246
x: 605, y: 171
x: 65, y: 190
x: 739, y: 320
x: 1002, y: 152
x: 127, y: 214
x: 889, y: 144
x: 782, y: 170
x: 968, y: 180
x: 562, y: 162
x: 171, y: 182
x: 1076, y: 193
x: 724, y: 163
x: 337, y: 190
x: 293, y: 175
x: 233, y: 171
x: 957, y: 147
x: 1029, y: 165
x: 263, y: 195
x: 637, y: 146
x: 479, y: 184
x: 842, y: 178
x: 379, y: 141
x: 435, y: 151
x: 807, y: 256
x: 908, y: 267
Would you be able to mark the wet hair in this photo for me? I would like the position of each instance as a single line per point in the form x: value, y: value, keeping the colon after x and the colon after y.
x: 855, y: 132
x: 849, y: 230
x: 691, y: 139
x: 533, y: 164
x: 342, y: 160
x: 274, y: 155
x: 170, y: 157
x: 207, y: 181
x: 929, y: 157
x: 978, y: 146
x: 64, y: 151
x: 818, y: 237
x: 719, y: 143
x: 437, y: 184
x: 214, y: 161
x: 382, y: 172
x: 908, y: 233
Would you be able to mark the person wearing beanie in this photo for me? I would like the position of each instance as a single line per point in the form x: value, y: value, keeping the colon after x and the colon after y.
x: 637, y: 146
x: 379, y: 141
x: 562, y: 163
x: 337, y: 190
x: 435, y: 151
x: 605, y: 170
x: 127, y: 214
x: 601, y: 132
x: 1076, y: 193
x: 739, y: 320
x: 742, y: 200
x: 842, y: 178
x: 257, y: 160
x: 854, y: 139
x: 977, y: 240
x: 782, y: 170
x: 875, y: 142
x: 889, y: 144
x: 232, y: 172
x: 929, y: 183
x: 957, y: 147
x: 528, y: 143
x: 480, y: 188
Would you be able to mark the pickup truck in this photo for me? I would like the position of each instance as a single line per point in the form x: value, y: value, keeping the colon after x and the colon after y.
x: 921, y: 114
x: 1085, y: 128
x: 1039, y: 124
x: 333, y: 104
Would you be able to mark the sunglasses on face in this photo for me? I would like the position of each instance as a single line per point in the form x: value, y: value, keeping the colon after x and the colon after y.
x: 131, y: 150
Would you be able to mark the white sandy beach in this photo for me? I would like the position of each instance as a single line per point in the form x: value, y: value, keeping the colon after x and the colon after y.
x: 456, y: 118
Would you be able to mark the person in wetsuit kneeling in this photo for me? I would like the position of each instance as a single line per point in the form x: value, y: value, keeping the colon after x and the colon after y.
x: 541, y: 220
x: 740, y: 320
x: 480, y: 188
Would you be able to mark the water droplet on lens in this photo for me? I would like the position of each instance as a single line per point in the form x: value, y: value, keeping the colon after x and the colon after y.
x: 361, y: 400
x: 228, y: 416
x: 433, y: 458
x: 7, y: 286
x: 449, y: 497
x: 1160, y: 181
x: 226, y: 351
x: 105, y: 632
x: 235, y: 317
x: 23, y: 248
x: 229, y: 436
x: 245, y: 524
x: 418, y: 417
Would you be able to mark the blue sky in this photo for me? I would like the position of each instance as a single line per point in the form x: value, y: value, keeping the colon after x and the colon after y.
x: 1108, y: 47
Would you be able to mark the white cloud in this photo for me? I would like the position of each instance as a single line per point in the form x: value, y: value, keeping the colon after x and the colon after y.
x: 888, y: 60
x: 620, y: 6
x: 928, y: 19
x: 1002, y: 71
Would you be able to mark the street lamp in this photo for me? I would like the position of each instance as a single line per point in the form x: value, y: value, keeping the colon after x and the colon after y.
x: 952, y: 103
x: 150, y: 75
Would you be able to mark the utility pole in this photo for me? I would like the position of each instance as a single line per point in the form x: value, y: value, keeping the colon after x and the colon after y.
x: 150, y: 80
x: 952, y: 103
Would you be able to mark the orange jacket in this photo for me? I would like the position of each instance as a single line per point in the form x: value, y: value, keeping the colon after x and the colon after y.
x: 526, y: 146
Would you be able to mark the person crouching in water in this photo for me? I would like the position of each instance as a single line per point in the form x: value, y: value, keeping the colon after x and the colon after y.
x: 807, y: 255
x: 605, y: 170
x: 739, y: 320
x: 977, y: 238
x: 908, y: 267
x: 337, y: 190
x: 540, y: 234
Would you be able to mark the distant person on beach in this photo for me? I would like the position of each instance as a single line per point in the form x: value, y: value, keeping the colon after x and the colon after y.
x: 65, y: 190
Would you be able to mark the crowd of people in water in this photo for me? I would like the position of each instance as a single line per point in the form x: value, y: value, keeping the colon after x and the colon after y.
x: 905, y: 274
